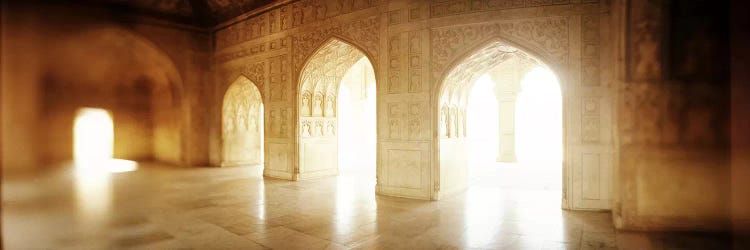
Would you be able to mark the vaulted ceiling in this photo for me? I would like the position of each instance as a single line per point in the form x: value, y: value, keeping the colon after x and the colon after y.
x: 196, y: 12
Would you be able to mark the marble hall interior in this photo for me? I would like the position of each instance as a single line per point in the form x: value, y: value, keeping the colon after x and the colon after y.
x: 375, y: 124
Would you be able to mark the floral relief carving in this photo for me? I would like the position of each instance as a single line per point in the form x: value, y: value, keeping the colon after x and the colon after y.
x: 590, y: 127
x: 394, y: 64
x: 277, y: 124
x: 320, y: 80
x: 455, y: 7
x: 415, y: 62
x: 278, y: 77
x: 293, y: 15
x: 549, y: 35
x: 256, y: 73
x: 406, y: 120
x: 590, y: 57
x: 395, y: 115
x: 364, y: 32
x: 252, y: 50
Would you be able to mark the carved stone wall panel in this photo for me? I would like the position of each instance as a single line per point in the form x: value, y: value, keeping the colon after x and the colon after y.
x: 417, y: 60
x: 253, y: 50
x: 590, y: 120
x: 456, y: 7
x: 247, y: 30
x: 396, y: 17
x: 278, y: 160
x: 406, y: 118
x: 290, y: 16
x: 397, y: 65
x: 279, y: 75
x: 405, y: 169
x: 590, y: 56
x: 278, y: 121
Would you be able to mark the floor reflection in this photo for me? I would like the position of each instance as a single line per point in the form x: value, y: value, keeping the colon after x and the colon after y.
x: 162, y: 207
x: 93, y: 191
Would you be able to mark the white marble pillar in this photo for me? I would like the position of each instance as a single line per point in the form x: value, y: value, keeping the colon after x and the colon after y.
x: 506, y: 107
x: 507, y: 78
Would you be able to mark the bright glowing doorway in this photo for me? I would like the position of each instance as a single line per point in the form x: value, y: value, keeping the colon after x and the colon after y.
x: 356, y: 113
x: 336, y: 112
x: 93, y: 135
x: 536, y: 130
x: 500, y: 127
x: 93, y: 140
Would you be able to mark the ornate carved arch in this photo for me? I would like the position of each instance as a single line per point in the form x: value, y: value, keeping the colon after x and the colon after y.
x: 546, y: 39
x: 255, y: 73
x: 321, y: 75
x: 362, y: 34
x: 242, y: 116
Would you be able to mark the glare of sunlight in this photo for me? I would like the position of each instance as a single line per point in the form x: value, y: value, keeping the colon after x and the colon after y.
x: 93, y: 143
x: 93, y: 135
x: 356, y: 119
x: 346, y: 199
x: 482, y: 121
x: 483, y: 210
x: 261, y: 212
x: 538, y: 133
x: 93, y: 195
x: 539, y: 119
x: 120, y: 165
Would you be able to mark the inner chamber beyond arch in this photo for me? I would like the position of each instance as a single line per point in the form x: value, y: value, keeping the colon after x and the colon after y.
x: 242, y: 124
x: 509, y: 65
x: 317, y: 98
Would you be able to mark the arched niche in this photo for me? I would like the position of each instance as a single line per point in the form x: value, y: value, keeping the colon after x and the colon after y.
x: 242, y: 124
x: 125, y: 73
x: 452, y: 100
x: 317, y: 100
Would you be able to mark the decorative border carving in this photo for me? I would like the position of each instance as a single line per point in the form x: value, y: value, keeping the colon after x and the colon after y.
x: 449, y: 8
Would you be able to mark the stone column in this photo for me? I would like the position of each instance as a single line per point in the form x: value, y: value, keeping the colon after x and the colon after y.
x: 507, y: 78
x: 506, y: 108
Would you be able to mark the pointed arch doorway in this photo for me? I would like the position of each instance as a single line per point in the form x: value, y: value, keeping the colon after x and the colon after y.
x: 242, y: 124
x: 505, y: 72
x: 336, y: 112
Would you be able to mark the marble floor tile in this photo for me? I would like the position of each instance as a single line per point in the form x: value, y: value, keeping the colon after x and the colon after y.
x: 164, y: 207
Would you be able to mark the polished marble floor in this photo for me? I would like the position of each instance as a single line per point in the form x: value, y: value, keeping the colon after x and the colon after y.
x: 162, y: 207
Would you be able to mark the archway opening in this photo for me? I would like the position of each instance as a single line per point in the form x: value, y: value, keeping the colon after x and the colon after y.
x: 93, y: 143
x: 337, y: 113
x: 94, y: 135
x: 356, y: 115
x: 500, y: 127
x: 128, y: 76
x: 532, y: 156
x: 242, y: 124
